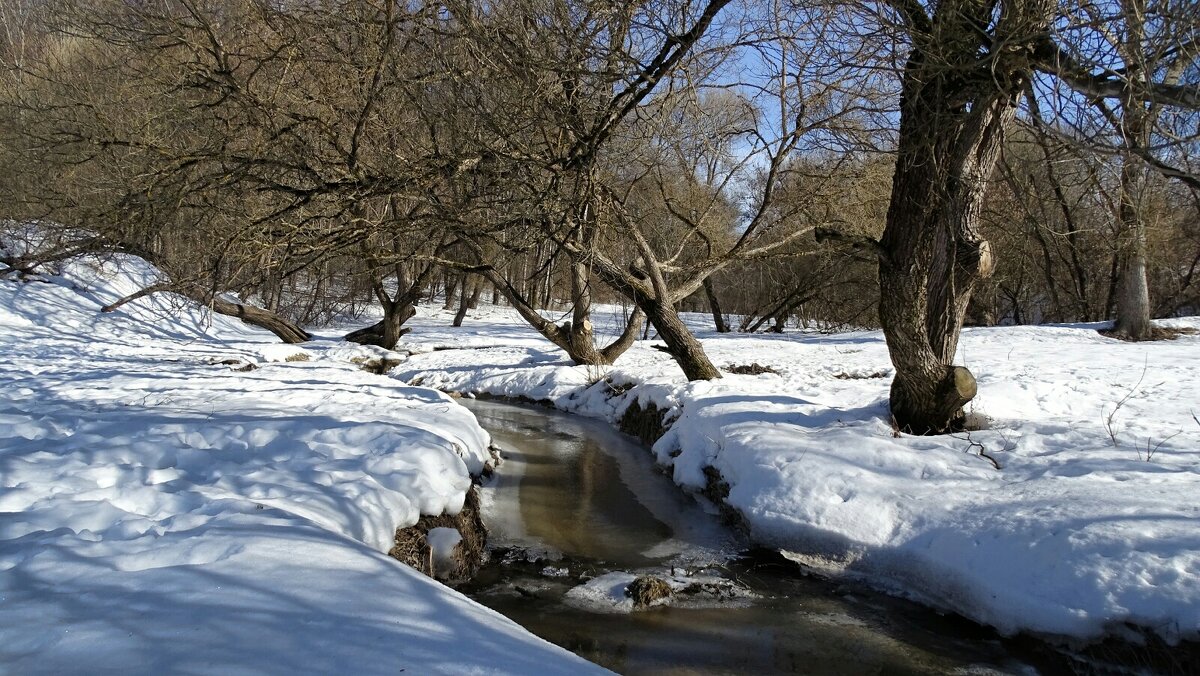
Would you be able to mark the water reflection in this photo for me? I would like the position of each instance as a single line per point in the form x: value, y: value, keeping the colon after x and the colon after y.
x: 589, y: 501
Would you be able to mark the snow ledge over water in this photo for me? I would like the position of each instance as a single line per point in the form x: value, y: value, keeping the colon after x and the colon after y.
x: 1074, y: 535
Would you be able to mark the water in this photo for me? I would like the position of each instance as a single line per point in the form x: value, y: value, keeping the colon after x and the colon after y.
x: 576, y: 501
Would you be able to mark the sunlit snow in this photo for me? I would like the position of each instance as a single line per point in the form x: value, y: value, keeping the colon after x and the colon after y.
x: 163, y: 510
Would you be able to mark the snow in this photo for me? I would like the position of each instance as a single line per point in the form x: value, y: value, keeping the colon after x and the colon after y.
x: 442, y: 542
x: 1090, y: 522
x: 604, y: 594
x: 181, y: 493
x: 164, y: 511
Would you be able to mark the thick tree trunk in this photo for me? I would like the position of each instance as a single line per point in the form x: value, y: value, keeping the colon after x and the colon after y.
x: 681, y: 344
x: 452, y: 285
x: 1133, y: 293
x: 468, y: 298
x: 648, y: 289
x: 387, y: 332
x: 285, y: 330
x: 954, y: 109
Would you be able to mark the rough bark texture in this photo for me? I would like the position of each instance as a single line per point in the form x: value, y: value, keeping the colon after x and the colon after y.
x: 285, y: 330
x: 386, y: 333
x: 681, y: 344
x: 468, y: 298
x: 1133, y: 293
x: 954, y: 107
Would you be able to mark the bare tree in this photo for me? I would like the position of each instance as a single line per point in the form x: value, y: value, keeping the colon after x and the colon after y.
x: 968, y: 64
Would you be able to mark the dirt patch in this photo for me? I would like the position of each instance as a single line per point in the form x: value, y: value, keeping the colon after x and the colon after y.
x: 239, y: 365
x: 299, y: 356
x: 644, y: 423
x: 378, y: 366
x: 753, y: 369
x: 412, y: 548
x: 858, y: 375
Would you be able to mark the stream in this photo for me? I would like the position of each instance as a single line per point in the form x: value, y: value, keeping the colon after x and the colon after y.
x: 578, y: 509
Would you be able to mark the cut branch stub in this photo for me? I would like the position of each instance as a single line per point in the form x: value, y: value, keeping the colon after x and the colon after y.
x: 932, y: 412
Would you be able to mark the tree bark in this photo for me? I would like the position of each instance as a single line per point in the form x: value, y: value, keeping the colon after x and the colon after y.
x: 452, y: 285
x: 954, y: 108
x: 1133, y: 293
x: 681, y: 344
x: 285, y: 330
x: 387, y: 332
x: 575, y: 337
x: 714, y: 306
x: 469, y: 290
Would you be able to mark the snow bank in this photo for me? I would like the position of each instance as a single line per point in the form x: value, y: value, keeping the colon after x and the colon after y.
x: 1090, y: 521
x: 162, y: 510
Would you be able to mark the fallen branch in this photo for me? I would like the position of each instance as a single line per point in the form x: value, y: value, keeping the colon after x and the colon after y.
x: 154, y: 288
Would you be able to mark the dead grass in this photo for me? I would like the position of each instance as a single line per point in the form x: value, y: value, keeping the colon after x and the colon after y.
x: 647, y: 589
x: 753, y: 369
x: 644, y: 423
x: 1156, y: 333
x: 846, y: 375
x: 411, y: 547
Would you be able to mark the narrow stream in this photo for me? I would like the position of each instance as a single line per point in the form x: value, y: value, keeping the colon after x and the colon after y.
x: 578, y: 509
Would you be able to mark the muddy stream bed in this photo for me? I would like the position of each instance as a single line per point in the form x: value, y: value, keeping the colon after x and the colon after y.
x: 578, y: 510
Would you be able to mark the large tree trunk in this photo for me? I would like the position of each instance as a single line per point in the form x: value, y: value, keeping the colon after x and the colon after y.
x: 681, y: 344
x: 452, y: 284
x: 387, y: 332
x: 954, y: 109
x: 1133, y: 293
x: 649, y: 291
x: 468, y: 298
x: 285, y: 330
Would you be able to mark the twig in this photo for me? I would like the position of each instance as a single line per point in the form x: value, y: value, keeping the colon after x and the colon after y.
x: 982, y: 452
x: 1108, y: 423
x: 1151, y: 451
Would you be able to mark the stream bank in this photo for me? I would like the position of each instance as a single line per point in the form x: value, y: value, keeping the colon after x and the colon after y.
x: 578, y: 511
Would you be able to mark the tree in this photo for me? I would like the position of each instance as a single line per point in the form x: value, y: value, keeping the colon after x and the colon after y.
x: 968, y: 64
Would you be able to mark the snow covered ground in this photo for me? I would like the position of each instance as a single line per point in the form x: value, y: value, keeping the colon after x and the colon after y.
x: 1091, y: 520
x: 163, y: 512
